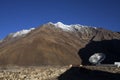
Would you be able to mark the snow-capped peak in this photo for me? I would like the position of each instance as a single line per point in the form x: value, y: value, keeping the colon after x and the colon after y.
x: 22, y: 32
x: 66, y: 27
x: 63, y: 26
x: 70, y: 27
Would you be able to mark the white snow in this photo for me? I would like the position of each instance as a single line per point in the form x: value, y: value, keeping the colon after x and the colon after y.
x: 63, y: 26
x: 71, y: 27
x: 22, y: 32
x: 66, y: 27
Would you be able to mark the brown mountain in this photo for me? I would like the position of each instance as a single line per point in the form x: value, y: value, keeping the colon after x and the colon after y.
x: 58, y: 44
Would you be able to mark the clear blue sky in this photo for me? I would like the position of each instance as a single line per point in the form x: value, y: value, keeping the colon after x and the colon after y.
x: 24, y: 14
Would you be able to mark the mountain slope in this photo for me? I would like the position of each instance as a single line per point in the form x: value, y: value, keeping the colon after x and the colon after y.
x: 51, y: 44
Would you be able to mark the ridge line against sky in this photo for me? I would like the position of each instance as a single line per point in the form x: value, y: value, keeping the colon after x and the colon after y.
x: 17, y: 15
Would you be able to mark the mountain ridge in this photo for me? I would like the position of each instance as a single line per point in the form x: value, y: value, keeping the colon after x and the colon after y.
x: 51, y: 45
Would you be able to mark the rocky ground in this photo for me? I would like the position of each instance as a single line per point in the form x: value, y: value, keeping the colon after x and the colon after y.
x: 31, y: 73
x: 45, y: 72
x: 111, y: 69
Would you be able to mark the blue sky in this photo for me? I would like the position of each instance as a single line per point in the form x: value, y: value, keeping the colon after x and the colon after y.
x: 16, y: 15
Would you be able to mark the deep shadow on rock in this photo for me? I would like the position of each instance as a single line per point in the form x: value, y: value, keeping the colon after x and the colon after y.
x: 77, y: 73
x: 111, y: 48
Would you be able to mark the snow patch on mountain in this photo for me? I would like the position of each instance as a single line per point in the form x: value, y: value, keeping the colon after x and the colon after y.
x: 22, y: 32
x: 63, y: 26
x: 72, y: 27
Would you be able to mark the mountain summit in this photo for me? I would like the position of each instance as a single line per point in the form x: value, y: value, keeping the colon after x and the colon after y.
x: 58, y: 44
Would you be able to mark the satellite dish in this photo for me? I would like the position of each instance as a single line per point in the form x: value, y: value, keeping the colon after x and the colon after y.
x: 97, y: 58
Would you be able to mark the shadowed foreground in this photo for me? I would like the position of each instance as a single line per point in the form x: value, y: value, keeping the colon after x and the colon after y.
x: 77, y: 73
x: 111, y: 49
